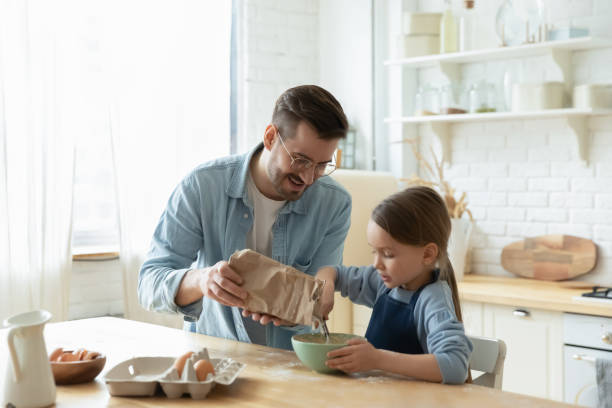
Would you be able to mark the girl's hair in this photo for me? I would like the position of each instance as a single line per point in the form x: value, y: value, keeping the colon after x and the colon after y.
x: 418, y: 216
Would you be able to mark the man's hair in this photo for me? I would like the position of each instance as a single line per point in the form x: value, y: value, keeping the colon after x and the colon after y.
x: 314, y: 105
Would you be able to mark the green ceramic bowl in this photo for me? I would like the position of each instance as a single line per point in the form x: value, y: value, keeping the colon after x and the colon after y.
x: 312, y: 349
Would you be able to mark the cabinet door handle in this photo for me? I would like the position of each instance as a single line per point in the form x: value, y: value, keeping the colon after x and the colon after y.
x: 607, y: 338
x: 521, y: 312
x: 583, y: 357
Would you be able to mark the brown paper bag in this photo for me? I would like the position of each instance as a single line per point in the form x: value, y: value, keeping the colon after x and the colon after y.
x: 276, y: 289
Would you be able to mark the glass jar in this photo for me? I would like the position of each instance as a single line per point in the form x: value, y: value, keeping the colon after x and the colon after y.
x: 451, y: 100
x: 427, y: 101
x: 482, y: 98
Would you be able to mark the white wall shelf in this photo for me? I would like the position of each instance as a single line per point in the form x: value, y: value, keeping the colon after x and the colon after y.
x: 520, y: 51
x: 560, y: 52
x: 440, y: 124
x: 476, y: 117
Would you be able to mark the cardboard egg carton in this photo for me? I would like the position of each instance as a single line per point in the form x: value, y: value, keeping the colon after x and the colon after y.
x: 140, y: 376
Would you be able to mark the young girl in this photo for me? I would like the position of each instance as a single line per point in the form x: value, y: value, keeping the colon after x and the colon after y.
x: 415, y: 328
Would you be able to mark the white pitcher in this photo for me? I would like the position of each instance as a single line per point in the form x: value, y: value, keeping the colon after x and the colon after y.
x: 459, y: 244
x: 29, y: 381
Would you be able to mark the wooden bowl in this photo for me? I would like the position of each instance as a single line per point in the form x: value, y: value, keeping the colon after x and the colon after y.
x: 77, y: 372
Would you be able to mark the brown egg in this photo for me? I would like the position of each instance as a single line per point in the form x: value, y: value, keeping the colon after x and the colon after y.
x: 55, y: 354
x: 91, y: 355
x: 179, y: 364
x: 79, y: 353
x: 67, y: 357
x: 203, y: 368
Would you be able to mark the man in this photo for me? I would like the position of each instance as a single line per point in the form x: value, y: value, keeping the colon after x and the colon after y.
x: 275, y: 200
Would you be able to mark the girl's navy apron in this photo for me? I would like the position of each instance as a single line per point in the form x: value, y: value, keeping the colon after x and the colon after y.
x: 392, y: 325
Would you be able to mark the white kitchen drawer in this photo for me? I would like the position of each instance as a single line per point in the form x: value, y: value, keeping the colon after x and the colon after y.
x: 587, y: 331
x: 534, y: 356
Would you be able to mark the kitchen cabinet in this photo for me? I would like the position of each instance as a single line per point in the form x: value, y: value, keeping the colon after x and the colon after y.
x: 538, y: 361
x: 534, y: 340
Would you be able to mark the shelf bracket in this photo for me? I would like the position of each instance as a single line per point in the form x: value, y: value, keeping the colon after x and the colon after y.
x: 450, y: 70
x: 563, y: 59
x: 442, y: 133
x: 578, y: 124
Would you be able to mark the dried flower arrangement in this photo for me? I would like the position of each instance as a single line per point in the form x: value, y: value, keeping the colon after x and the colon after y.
x: 456, y: 208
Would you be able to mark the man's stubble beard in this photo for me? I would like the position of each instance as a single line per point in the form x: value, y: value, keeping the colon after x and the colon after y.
x: 277, y: 177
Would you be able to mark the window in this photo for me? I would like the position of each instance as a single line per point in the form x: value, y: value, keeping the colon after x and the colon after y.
x: 161, y: 87
x: 95, y: 222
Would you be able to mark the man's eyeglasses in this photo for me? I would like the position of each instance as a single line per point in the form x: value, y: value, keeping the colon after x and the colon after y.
x: 301, y: 164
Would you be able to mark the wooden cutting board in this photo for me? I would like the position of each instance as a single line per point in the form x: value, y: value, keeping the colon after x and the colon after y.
x: 550, y: 257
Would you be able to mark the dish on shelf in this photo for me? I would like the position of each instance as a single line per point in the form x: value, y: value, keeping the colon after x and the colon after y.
x: 567, y: 33
x: 593, y: 96
x: 537, y: 96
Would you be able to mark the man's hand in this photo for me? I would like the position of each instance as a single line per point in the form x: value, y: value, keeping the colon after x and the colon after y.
x: 264, y: 319
x: 358, y: 356
x: 221, y: 283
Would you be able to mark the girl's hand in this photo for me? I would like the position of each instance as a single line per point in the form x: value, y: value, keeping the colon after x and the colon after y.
x: 358, y: 356
x: 326, y: 303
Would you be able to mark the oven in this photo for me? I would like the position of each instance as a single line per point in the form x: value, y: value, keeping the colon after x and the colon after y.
x: 585, y: 338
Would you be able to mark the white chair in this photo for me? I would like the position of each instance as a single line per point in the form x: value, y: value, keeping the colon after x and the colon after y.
x: 488, y: 357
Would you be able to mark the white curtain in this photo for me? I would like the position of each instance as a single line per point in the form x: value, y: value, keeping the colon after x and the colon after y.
x: 168, y: 89
x: 37, y: 129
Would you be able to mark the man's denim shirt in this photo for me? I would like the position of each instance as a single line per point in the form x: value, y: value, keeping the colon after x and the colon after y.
x: 207, y: 219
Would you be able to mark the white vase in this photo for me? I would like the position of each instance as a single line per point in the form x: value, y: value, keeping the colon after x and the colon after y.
x: 459, y: 244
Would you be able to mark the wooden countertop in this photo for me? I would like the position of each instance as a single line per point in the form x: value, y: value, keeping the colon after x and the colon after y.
x: 533, y: 293
x: 272, y: 377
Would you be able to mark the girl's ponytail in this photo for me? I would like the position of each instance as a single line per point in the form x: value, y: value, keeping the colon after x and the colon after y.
x: 447, y: 273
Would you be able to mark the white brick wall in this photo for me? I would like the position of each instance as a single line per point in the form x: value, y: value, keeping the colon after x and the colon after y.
x: 280, y: 50
x: 527, y: 191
